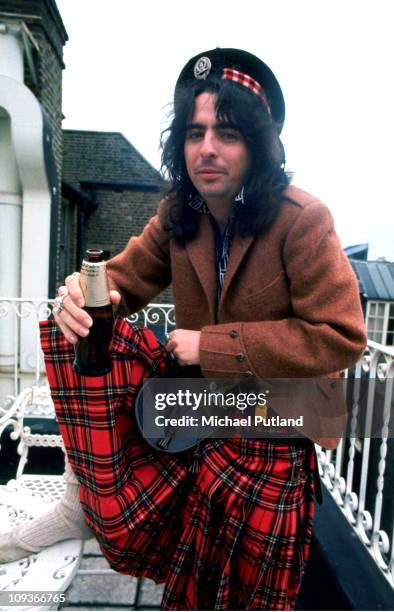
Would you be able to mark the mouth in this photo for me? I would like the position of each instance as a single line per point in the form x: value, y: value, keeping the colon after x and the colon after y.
x: 210, y: 172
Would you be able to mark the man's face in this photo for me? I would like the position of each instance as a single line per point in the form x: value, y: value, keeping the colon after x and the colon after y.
x: 216, y: 155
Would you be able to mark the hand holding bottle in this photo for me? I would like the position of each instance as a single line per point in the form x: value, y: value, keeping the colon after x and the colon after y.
x: 72, y: 319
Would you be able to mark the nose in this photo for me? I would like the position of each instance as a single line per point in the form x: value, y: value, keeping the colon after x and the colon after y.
x: 208, y: 145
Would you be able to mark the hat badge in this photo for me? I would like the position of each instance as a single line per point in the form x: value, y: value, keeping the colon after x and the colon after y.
x: 202, y: 68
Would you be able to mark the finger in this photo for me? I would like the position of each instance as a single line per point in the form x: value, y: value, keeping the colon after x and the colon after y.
x: 80, y: 316
x: 62, y: 290
x: 69, y: 335
x: 71, y: 315
x: 74, y: 289
x: 171, y: 354
x: 70, y: 324
x: 115, y: 297
x: 170, y: 346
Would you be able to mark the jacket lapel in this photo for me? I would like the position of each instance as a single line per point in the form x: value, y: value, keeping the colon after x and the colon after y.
x: 201, y: 252
x: 239, y: 248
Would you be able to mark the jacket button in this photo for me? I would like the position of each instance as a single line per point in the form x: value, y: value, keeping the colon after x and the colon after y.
x: 233, y: 334
x: 248, y: 374
x: 240, y: 357
x: 333, y: 384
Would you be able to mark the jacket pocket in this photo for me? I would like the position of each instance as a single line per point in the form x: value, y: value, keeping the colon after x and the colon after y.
x: 273, y: 289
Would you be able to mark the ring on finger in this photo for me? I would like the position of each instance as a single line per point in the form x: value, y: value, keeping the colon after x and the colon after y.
x: 61, y: 297
x: 58, y: 307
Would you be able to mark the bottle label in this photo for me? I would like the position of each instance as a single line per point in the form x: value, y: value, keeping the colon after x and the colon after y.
x: 94, y: 284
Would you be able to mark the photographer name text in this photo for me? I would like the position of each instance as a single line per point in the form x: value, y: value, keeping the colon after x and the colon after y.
x: 228, y: 421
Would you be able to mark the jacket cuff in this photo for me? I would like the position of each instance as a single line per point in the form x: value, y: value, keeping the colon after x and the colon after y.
x: 222, y: 352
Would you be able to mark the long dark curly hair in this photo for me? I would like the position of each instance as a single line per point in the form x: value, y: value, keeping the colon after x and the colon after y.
x: 263, y: 190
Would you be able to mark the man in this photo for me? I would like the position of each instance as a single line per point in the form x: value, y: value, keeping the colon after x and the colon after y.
x: 261, y: 288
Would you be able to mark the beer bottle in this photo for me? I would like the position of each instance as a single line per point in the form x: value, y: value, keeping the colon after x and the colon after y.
x: 92, y: 353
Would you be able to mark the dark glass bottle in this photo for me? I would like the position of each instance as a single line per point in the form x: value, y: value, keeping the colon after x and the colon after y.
x: 92, y: 353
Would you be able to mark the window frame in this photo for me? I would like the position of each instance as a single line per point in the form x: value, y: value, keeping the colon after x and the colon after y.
x: 386, y: 315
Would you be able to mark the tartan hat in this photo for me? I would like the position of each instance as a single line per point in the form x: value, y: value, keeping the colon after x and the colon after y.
x: 241, y: 67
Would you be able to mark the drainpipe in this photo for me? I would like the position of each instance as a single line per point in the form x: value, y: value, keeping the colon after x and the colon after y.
x: 80, y: 235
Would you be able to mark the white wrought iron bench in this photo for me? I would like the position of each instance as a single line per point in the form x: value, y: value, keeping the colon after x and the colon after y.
x: 39, y: 580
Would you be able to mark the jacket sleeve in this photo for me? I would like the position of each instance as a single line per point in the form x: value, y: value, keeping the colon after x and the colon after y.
x: 142, y: 270
x: 325, y: 332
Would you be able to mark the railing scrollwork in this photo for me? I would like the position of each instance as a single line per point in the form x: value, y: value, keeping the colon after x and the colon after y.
x: 357, y: 477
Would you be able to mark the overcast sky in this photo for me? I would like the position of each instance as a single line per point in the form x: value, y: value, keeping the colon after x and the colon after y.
x: 334, y: 60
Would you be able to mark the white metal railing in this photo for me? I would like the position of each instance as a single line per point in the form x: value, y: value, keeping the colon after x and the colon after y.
x: 21, y: 360
x: 358, y: 474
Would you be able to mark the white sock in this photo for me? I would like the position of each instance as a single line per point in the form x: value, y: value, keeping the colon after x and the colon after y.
x: 63, y: 522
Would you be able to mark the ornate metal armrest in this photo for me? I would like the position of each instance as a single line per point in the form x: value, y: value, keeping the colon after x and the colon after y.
x: 32, y: 402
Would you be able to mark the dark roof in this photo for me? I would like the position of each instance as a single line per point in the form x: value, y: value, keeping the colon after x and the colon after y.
x: 376, y: 278
x: 104, y: 157
x: 357, y: 251
x: 42, y: 14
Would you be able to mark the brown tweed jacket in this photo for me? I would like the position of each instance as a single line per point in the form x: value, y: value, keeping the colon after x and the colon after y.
x: 290, y: 304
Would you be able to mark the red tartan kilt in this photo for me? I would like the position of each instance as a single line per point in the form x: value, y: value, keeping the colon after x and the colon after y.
x: 131, y: 495
x: 247, y: 527
x: 233, y: 536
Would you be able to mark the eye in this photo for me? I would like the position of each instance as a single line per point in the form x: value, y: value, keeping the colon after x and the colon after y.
x: 194, y: 134
x: 230, y: 135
